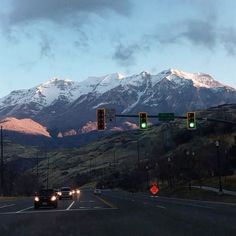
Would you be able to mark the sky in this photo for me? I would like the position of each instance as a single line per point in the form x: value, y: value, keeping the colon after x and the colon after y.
x: 75, y: 39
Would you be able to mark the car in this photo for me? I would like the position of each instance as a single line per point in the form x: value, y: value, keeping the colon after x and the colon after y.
x: 57, y: 192
x: 65, y: 192
x: 97, y: 191
x: 75, y: 192
x: 45, y: 198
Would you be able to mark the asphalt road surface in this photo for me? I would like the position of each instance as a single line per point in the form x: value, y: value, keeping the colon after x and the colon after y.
x: 117, y: 213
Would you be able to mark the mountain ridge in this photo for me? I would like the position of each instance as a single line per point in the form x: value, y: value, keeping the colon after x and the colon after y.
x: 65, y: 105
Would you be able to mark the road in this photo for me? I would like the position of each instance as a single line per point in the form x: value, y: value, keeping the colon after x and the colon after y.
x: 118, y: 213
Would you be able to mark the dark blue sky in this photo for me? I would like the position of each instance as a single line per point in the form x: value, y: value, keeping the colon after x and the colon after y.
x: 75, y: 39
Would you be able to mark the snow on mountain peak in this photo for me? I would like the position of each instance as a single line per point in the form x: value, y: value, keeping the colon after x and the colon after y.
x: 68, y: 91
x: 198, y: 79
x: 101, y: 84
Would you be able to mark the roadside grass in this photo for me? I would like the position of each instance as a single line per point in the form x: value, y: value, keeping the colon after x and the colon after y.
x: 228, y: 182
x: 196, y: 194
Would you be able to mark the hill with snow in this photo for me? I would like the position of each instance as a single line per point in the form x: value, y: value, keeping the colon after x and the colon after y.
x: 64, y: 105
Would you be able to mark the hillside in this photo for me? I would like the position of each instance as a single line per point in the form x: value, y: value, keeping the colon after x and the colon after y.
x: 24, y: 126
x: 122, y: 152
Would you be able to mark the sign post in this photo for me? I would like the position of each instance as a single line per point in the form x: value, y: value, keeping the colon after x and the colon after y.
x: 154, y: 189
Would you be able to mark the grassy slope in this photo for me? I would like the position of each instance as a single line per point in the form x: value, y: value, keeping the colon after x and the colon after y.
x: 67, y: 163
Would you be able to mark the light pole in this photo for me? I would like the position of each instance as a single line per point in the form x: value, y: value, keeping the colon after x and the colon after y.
x: 189, y: 169
x: 147, y: 168
x: 2, y: 161
x: 47, y: 171
x: 217, y: 143
x: 37, y: 159
x: 169, y: 168
x: 138, y: 151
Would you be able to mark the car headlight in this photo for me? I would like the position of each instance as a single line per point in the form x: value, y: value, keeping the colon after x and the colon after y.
x: 53, y: 198
x: 36, y: 199
x: 73, y: 191
x: 59, y: 193
x: 78, y: 191
x: 70, y: 193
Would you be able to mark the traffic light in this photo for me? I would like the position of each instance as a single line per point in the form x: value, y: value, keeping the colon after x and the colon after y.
x: 101, y: 119
x: 143, y: 120
x: 191, y: 120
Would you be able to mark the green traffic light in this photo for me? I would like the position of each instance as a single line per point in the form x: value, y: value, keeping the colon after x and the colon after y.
x: 143, y: 125
x: 192, y: 125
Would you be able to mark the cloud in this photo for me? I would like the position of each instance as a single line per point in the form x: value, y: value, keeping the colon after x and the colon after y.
x: 228, y: 39
x: 82, y: 40
x: 125, y: 54
x: 45, y: 47
x: 200, y: 32
x: 61, y: 11
x: 204, y: 32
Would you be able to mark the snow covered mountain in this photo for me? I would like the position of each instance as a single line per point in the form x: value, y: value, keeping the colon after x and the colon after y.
x: 63, y: 105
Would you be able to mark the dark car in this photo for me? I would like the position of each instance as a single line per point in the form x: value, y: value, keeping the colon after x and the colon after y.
x: 45, y: 198
x: 66, y: 192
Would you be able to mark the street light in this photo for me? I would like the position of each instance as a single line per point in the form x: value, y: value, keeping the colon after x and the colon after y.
x: 189, y: 168
x: 169, y: 159
x: 147, y: 169
x: 217, y: 143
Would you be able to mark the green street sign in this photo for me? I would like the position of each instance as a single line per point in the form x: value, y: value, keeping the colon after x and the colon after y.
x: 166, y: 116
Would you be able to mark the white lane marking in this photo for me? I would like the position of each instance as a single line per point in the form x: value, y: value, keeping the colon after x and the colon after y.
x: 7, y: 206
x: 24, y: 209
x: 159, y: 206
x: 68, y: 208
x: 82, y: 207
x: 62, y: 210
x: 98, y: 207
x: 91, y: 201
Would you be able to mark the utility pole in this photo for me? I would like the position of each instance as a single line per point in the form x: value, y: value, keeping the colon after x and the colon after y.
x: 2, y: 181
x: 114, y: 155
x: 90, y: 163
x: 138, y: 151
x: 47, y: 171
x: 219, y: 166
x: 37, y: 170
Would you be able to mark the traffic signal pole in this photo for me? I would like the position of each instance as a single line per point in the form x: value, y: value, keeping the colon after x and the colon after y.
x: 182, y: 118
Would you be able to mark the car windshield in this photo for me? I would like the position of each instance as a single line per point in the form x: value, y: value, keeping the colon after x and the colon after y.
x: 66, y: 189
x: 46, y: 192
